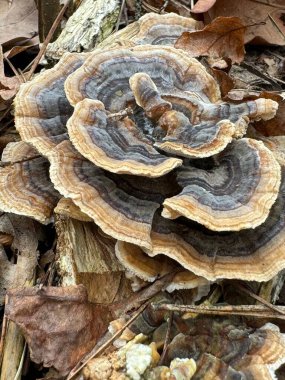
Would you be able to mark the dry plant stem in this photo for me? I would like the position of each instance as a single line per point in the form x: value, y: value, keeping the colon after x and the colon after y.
x: 167, y: 339
x: 276, y: 25
x: 8, y: 163
x: 79, y: 366
x: 242, y: 310
x: 120, y: 15
x: 3, y: 332
x: 260, y: 299
x: 19, y: 371
x: 20, y: 77
x: 47, y: 40
x: 257, y: 72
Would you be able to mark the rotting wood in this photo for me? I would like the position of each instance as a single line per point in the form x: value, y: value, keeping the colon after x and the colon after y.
x: 91, y: 23
x: 87, y: 256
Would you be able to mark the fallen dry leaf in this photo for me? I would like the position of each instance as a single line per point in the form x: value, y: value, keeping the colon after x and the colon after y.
x: 19, y: 19
x: 8, y: 85
x: 226, y: 82
x: 224, y: 37
x: 59, y: 324
x: 202, y: 6
x: 268, y: 17
x: 24, y: 247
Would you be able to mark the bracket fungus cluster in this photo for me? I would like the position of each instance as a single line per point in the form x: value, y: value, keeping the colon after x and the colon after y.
x: 139, y: 140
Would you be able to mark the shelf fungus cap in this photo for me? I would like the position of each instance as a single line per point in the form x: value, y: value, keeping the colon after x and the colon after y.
x: 25, y: 187
x: 117, y: 213
x: 117, y: 146
x: 251, y: 254
x: 195, y: 128
x: 41, y: 106
x: 156, y: 29
x: 193, y: 141
x: 105, y: 75
x: 227, y: 348
x: 149, y: 268
x: 236, y: 193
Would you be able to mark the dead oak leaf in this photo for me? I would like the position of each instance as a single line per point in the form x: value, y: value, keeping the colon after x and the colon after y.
x: 202, y: 6
x: 18, y: 19
x: 266, y: 18
x: 59, y: 324
x: 224, y: 37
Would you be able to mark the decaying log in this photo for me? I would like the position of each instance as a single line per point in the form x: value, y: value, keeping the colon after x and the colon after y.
x: 93, y: 21
x: 86, y: 256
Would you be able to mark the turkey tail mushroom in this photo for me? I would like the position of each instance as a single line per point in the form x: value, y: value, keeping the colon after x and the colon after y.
x: 25, y: 187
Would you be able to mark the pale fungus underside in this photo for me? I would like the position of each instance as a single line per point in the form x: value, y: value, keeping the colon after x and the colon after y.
x: 138, y: 134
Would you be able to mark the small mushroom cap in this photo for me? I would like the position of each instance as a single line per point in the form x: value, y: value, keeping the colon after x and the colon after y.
x: 147, y: 96
x: 119, y: 214
x: 236, y: 193
x: 137, y: 262
x: 197, y: 141
x: 25, y: 187
x: 157, y: 29
x: 149, y: 269
x: 41, y: 106
x: 252, y: 254
x: 105, y: 75
x: 116, y: 146
x: 210, y: 127
x: 227, y: 348
x: 68, y: 208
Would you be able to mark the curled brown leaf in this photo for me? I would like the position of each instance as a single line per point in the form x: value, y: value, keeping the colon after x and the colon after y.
x: 59, y: 324
x: 224, y: 37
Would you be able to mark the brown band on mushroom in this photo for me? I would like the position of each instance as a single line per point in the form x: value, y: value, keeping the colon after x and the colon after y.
x: 147, y: 96
x: 237, y: 192
x: 119, y: 214
x: 105, y: 75
x: 253, y: 254
x: 117, y: 146
x: 25, y: 186
x: 68, y: 208
x: 157, y: 29
x: 41, y: 106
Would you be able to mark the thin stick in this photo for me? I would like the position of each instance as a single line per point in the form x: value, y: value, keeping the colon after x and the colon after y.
x: 3, y: 332
x: 241, y: 310
x: 101, y: 349
x: 3, y: 164
x: 260, y: 74
x: 19, y: 370
x: 20, y: 77
x: 167, y: 339
x: 120, y: 16
x: 260, y: 299
x: 47, y: 39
